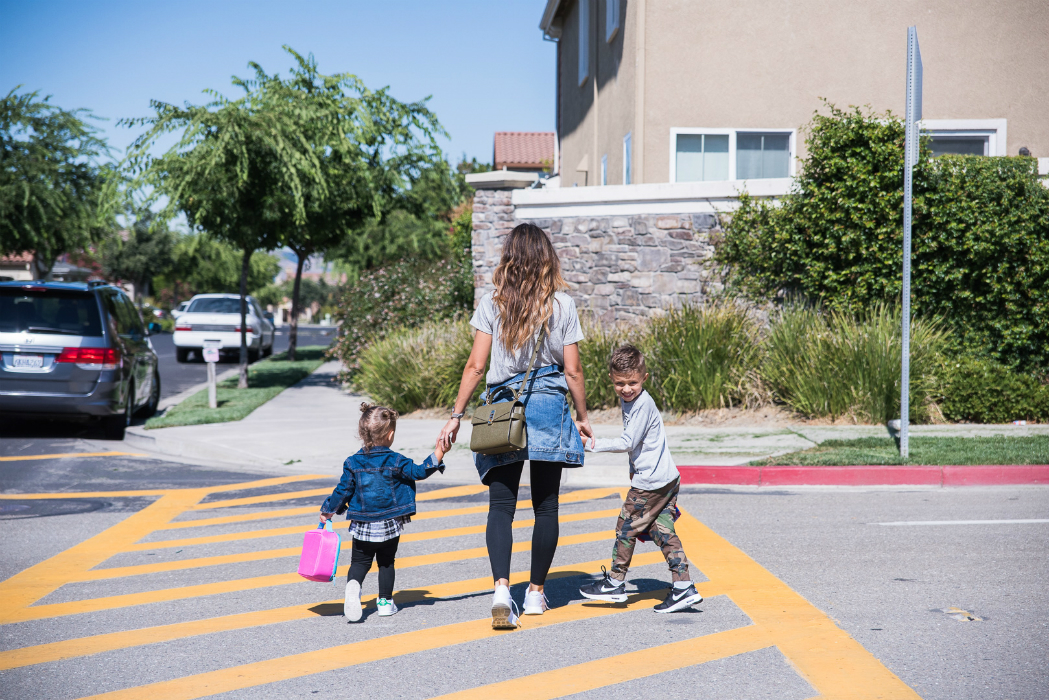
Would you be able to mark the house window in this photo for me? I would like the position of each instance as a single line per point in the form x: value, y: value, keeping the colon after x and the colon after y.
x: 762, y: 155
x: 730, y: 154
x: 604, y: 169
x: 611, y: 19
x: 627, y: 163
x: 972, y: 137
x: 702, y: 157
x: 584, y: 40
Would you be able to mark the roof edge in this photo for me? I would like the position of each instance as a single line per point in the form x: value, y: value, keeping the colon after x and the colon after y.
x: 547, y: 20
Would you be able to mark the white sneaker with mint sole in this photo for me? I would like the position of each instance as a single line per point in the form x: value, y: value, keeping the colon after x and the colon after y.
x: 351, y: 607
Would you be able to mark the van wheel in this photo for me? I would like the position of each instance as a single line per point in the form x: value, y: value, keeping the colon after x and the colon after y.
x: 150, y: 408
x: 182, y: 354
x: 114, y: 426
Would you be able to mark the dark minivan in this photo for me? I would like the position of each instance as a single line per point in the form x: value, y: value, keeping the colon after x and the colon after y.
x: 75, y: 349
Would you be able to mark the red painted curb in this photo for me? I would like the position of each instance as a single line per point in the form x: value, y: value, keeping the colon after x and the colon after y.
x: 987, y: 475
x: 871, y: 475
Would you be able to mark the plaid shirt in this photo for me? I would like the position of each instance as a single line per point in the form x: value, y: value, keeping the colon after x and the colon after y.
x: 380, y: 531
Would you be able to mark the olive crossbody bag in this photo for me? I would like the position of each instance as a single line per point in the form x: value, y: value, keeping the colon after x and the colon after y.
x: 500, y: 427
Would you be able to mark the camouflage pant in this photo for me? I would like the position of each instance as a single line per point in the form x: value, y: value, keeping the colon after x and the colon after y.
x: 651, y: 513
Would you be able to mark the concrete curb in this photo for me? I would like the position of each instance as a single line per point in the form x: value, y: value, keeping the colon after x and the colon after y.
x: 948, y: 475
x: 141, y: 439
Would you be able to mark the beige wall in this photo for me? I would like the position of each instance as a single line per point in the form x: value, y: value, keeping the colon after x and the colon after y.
x: 613, y: 65
x: 762, y: 64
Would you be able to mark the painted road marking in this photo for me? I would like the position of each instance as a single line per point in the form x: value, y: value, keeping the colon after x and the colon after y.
x: 824, y: 655
x: 903, y: 523
x: 63, y: 455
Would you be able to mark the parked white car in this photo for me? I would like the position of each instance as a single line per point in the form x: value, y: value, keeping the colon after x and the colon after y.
x: 215, y: 319
x: 180, y: 309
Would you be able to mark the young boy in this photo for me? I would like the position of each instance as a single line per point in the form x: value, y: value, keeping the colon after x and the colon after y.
x: 651, y: 503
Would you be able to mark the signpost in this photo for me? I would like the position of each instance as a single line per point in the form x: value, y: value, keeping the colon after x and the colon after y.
x: 912, y: 136
x: 211, y: 356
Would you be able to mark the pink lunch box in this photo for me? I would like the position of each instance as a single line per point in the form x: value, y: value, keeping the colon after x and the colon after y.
x: 320, y: 553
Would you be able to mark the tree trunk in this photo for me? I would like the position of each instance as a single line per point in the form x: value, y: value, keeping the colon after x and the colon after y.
x: 293, y: 332
x: 242, y: 383
x: 40, y: 266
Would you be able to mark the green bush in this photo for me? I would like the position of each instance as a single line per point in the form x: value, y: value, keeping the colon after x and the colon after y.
x: 831, y: 364
x: 983, y: 391
x: 980, y: 244
x: 702, y: 356
x: 416, y: 368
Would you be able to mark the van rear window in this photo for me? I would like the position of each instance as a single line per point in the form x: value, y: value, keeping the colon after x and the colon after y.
x: 49, y: 311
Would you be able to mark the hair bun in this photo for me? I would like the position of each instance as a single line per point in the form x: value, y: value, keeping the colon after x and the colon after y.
x: 365, y: 406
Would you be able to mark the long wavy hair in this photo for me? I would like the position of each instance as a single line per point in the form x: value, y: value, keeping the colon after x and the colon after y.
x: 525, y: 281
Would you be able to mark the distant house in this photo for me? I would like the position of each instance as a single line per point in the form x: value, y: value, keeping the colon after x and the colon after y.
x: 525, y: 151
x: 664, y: 92
x: 16, y: 266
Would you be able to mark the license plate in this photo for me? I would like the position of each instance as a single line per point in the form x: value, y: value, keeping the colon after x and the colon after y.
x: 22, y: 361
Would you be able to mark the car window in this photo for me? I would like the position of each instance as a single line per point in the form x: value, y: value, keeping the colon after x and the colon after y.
x: 257, y: 310
x: 118, y: 317
x: 215, y: 305
x: 49, y: 311
x: 134, y: 318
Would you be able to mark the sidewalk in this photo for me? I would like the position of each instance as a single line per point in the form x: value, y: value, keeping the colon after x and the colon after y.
x: 312, y: 427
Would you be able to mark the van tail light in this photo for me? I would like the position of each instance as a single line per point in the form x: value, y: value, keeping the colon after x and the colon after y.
x: 183, y: 327
x: 91, y: 358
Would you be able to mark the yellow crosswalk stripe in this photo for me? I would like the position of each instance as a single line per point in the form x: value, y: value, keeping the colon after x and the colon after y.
x: 97, y: 644
x: 62, y: 455
x: 267, y: 498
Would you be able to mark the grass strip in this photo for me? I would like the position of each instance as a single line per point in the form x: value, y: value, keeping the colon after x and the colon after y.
x: 937, y: 451
x: 266, y: 379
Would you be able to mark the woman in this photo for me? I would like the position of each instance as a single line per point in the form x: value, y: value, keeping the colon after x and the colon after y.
x: 528, y: 295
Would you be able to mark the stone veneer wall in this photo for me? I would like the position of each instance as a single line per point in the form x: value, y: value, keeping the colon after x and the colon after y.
x: 621, y: 267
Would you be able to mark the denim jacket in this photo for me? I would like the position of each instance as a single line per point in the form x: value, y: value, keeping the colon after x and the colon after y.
x: 377, y: 485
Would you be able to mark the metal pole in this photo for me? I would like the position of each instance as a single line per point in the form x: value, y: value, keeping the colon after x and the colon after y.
x: 213, y: 401
x: 912, y: 134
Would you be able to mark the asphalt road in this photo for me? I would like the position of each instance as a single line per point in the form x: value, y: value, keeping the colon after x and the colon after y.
x: 808, y: 592
x: 176, y: 377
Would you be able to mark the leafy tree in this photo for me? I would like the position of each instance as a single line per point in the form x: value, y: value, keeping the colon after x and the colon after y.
x: 147, y: 252
x: 204, y: 265
x: 980, y: 246
x: 378, y: 158
x: 55, y: 195
x: 236, y: 171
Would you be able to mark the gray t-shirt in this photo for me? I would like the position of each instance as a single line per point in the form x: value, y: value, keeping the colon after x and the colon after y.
x: 563, y: 329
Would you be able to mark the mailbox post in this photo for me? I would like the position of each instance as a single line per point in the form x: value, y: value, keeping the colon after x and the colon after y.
x: 211, y: 356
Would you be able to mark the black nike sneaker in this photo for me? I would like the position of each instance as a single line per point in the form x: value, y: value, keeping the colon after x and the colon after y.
x: 679, y: 599
x: 607, y: 589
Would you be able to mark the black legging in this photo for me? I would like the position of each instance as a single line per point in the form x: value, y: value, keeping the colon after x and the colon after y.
x: 361, y: 562
x: 503, y: 483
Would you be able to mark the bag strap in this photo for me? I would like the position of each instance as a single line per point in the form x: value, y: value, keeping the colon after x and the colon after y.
x: 531, y: 363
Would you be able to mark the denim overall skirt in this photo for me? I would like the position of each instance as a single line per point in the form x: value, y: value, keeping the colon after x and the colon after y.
x: 552, y: 434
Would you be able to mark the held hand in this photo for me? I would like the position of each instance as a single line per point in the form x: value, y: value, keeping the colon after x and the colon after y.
x: 449, y: 433
x: 438, y: 451
x: 584, y: 429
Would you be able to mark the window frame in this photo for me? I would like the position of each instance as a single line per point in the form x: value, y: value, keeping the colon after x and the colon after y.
x: 611, y: 20
x: 584, y: 42
x: 993, y: 129
x: 628, y: 160
x: 732, y: 132
x: 604, y: 169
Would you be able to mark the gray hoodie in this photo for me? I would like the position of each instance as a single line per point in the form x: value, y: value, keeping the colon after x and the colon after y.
x: 645, y: 440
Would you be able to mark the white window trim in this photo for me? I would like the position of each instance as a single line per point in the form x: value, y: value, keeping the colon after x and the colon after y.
x: 583, y: 36
x: 731, y: 146
x: 628, y: 160
x: 993, y: 129
x: 611, y: 20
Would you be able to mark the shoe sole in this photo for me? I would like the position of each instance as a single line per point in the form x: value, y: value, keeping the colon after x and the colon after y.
x: 533, y: 611
x: 351, y: 606
x: 388, y: 614
x: 682, y: 604
x: 609, y: 598
x: 503, y: 619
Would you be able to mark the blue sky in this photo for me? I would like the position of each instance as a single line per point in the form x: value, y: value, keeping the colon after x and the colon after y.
x: 484, y: 63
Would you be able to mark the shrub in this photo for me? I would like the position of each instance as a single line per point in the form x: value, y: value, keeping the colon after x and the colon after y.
x: 416, y: 367
x: 403, y: 294
x: 831, y: 364
x: 983, y: 391
x: 702, y: 356
x: 980, y: 246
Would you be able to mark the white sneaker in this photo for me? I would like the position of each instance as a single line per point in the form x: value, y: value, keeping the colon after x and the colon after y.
x: 387, y: 607
x: 535, y: 603
x: 351, y: 607
x: 503, y: 616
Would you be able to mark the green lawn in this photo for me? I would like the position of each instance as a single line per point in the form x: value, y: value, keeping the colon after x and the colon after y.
x: 266, y: 379
x: 1033, y: 449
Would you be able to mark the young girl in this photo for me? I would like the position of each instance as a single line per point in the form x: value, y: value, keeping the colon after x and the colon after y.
x: 377, y: 492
